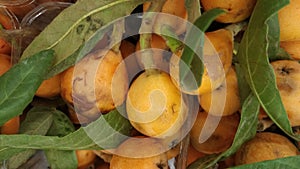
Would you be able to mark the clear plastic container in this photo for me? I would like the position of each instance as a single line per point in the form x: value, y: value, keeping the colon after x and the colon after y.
x: 38, y: 18
x: 21, y: 7
x: 9, y: 41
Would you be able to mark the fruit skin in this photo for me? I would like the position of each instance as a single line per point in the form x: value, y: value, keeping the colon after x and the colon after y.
x: 289, y: 21
x: 169, y: 112
x: 222, y: 41
x: 221, y: 138
x: 193, y: 155
x: 12, y: 126
x: 127, y: 50
x: 76, y: 118
x: 173, y: 14
x: 85, y: 158
x: 5, y: 63
x: 140, y: 153
x: 287, y: 74
x: 49, y: 87
x: 265, y: 146
x: 218, y: 50
x: 97, y: 84
x: 229, y: 89
x: 292, y: 48
x: 237, y: 10
x: 160, y: 56
x: 6, y: 23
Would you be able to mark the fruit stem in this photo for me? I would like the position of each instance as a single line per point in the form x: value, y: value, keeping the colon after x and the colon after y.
x: 236, y: 27
x: 146, y: 33
x: 117, y: 35
x: 172, y: 40
x: 193, y: 8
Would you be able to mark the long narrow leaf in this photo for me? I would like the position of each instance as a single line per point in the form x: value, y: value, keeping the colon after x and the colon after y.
x: 194, y: 42
x: 253, y: 57
x: 38, y: 121
x: 19, y: 84
x: 57, y: 159
x: 106, y: 132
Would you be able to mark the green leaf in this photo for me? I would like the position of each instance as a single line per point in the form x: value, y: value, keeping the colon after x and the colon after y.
x: 253, y: 58
x: 273, y: 36
x: 19, y: 84
x: 244, y: 89
x: 76, y: 25
x: 61, y: 126
x: 246, y: 130
x: 38, y: 121
x: 275, y: 52
x: 287, y: 162
x: 171, y: 38
x: 194, y: 44
x: 281, y: 55
x: 61, y: 159
x: 108, y: 131
x: 20, y: 158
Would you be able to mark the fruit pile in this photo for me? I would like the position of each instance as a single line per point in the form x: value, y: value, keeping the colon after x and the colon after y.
x: 144, y: 84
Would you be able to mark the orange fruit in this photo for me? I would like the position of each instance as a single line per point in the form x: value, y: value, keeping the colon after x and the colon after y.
x: 160, y: 59
x: 236, y: 10
x: 76, y: 118
x: 287, y: 73
x: 5, y: 63
x: 217, y: 54
x: 193, y: 155
x: 288, y: 21
x: 140, y: 153
x: 6, y: 23
x: 227, y: 94
x: 174, y: 15
x: 85, y: 158
x: 155, y: 106
x: 292, y: 48
x: 96, y: 84
x: 220, y: 139
x: 265, y: 146
x: 127, y: 50
x: 12, y: 126
x: 49, y: 88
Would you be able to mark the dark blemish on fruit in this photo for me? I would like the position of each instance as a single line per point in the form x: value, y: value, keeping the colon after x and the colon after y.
x: 173, y: 108
x: 161, y: 165
x: 85, y: 78
x: 285, y: 71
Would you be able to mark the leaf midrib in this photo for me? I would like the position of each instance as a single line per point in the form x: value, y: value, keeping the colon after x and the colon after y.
x: 84, y: 16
